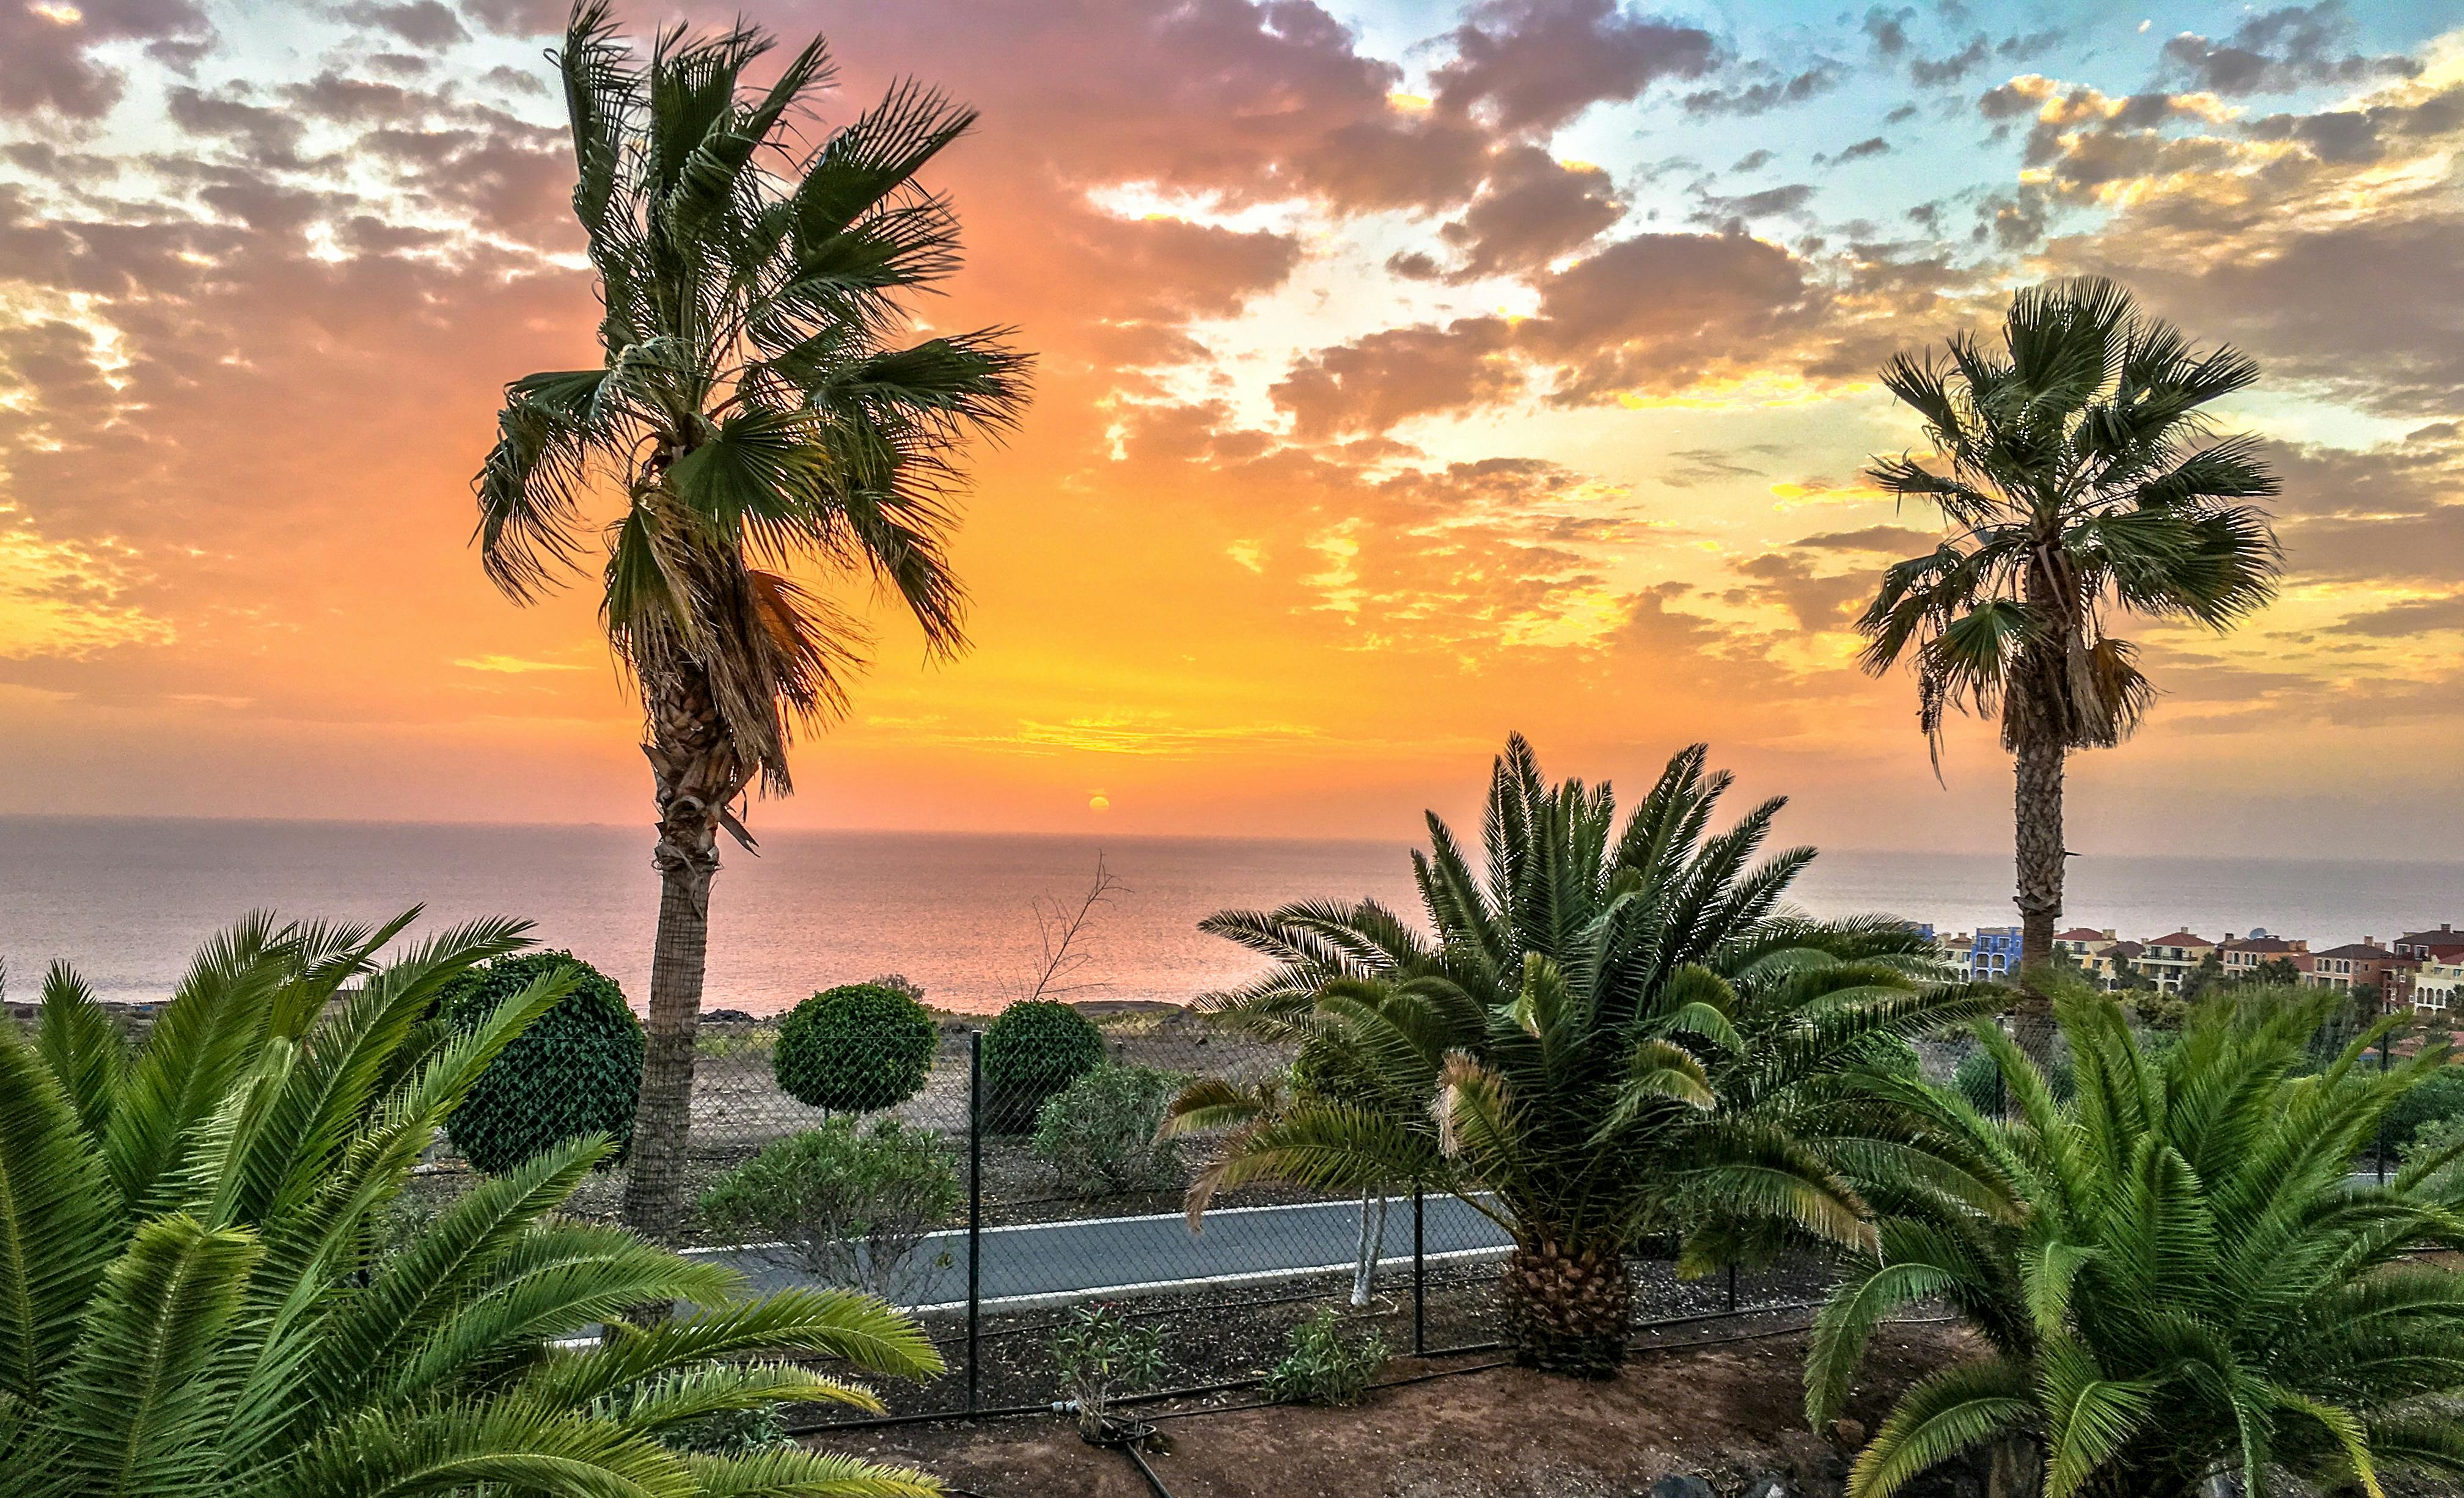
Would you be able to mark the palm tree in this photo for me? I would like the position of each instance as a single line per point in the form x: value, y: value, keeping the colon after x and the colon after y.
x: 2173, y: 1274
x: 753, y: 415
x: 1616, y: 1034
x: 205, y: 1288
x: 2076, y: 470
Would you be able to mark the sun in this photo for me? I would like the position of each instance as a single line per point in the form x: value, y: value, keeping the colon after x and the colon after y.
x: 1099, y: 802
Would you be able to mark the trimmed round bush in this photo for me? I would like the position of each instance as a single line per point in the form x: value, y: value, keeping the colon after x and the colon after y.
x: 855, y: 1049
x: 1033, y: 1050
x: 576, y: 1070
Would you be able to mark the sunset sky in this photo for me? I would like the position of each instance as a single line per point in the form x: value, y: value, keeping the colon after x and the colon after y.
x: 1408, y: 375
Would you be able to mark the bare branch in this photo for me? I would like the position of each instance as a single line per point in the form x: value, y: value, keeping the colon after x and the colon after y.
x: 1061, y: 928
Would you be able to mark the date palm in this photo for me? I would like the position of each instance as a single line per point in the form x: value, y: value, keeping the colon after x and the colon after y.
x: 2078, y: 474
x: 752, y: 415
x: 1617, y: 1034
x: 204, y: 1292
x: 2172, y: 1275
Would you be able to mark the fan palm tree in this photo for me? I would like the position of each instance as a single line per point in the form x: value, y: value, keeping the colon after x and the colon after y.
x: 200, y: 1296
x: 1617, y: 1034
x: 752, y: 414
x: 2173, y: 1274
x: 2078, y: 472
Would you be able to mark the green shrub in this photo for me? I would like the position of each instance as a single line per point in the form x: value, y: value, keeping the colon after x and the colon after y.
x: 1976, y: 1075
x: 855, y: 1049
x: 2439, y: 1098
x: 1102, y: 1356
x: 1099, y: 1132
x: 1033, y: 1050
x: 843, y: 1203
x: 266, y: 1316
x: 575, y: 1072
x: 1325, y: 1366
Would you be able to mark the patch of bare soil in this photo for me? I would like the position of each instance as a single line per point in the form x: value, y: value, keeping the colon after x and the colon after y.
x: 1730, y: 1413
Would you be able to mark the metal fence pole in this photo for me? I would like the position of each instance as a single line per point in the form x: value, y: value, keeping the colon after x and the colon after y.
x: 2381, y: 1139
x: 975, y: 1217
x: 1420, y: 1276
x: 1733, y: 1287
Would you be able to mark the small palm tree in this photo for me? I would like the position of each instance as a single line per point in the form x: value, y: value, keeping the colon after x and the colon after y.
x: 754, y: 416
x: 2173, y: 1273
x: 201, y: 1292
x: 2076, y: 468
x: 1619, y: 1034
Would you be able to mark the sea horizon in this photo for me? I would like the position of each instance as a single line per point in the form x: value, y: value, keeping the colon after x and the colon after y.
x: 126, y: 899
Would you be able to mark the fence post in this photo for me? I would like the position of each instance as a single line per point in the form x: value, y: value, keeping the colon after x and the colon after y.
x: 975, y: 1216
x: 1733, y: 1287
x: 1419, y: 1277
x: 2381, y: 1141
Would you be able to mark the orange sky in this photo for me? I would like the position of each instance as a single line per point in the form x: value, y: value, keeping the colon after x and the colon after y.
x: 1409, y: 375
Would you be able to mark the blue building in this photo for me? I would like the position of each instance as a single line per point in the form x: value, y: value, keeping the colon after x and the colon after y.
x: 1995, y: 953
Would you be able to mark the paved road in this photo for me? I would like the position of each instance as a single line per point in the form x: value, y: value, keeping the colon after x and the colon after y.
x: 1029, y: 1264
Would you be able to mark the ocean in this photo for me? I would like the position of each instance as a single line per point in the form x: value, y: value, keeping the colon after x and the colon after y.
x: 127, y: 899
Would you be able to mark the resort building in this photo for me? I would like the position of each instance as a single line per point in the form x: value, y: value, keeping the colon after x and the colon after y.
x: 2438, y: 988
x: 2354, y: 964
x: 2169, y: 960
x: 1994, y: 952
x: 2093, y: 951
x: 2242, y: 957
x: 2446, y: 944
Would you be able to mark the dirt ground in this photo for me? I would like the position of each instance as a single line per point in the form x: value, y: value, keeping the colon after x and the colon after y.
x: 1730, y: 1413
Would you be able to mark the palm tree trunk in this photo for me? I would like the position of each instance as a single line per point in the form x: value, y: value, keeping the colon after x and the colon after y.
x: 1568, y: 1312
x: 663, y: 1122
x: 2015, y: 1469
x: 1373, y: 1244
x: 694, y: 768
x: 2037, y: 822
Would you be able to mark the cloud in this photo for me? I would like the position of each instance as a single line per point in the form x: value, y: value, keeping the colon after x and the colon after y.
x: 1532, y: 209
x: 2280, y: 234
x: 1659, y: 312
x: 1872, y: 540
x: 50, y: 45
x: 1533, y: 65
x: 1768, y: 92
x: 1372, y: 383
x: 2291, y: 47
x: 421, y: 23
x: 1855, y: 151
x: 2405, y: 620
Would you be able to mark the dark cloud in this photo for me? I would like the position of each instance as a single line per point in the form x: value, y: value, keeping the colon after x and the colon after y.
x: 1881, y: 540
x: 1733, y: 212
x: 1752, y: 161
x: 2291, y: 47
x: 1934, y: 71
x: 1536, y: 64
x: 421, y: 23
x: 1766, y: 93
x: 1855, y: 151
x: 1371, y: 384
x: 1889, y: 30
x: 1657, y: 312
x: 2402, y: 621
x: 1531, y: 209
x: 49, y: 49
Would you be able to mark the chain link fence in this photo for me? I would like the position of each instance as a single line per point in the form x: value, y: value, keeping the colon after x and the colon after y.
x: 996, y: 1186
x: 995, y: 1190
